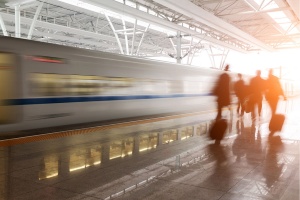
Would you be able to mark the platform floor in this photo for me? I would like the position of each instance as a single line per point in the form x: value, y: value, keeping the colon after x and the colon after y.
x: 169, y: 159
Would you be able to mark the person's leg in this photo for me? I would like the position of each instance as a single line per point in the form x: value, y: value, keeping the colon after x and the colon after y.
x: 253, y: 112
x: 275, y: 103
x: 238, y: 106
x: 219, y: 115
x: 272, y: 106
x: 242, y: 106
x: 259, y: 107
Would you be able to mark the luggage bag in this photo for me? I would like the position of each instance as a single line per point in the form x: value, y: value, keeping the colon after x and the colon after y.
x: 218, y: 129
x: 276, y: 122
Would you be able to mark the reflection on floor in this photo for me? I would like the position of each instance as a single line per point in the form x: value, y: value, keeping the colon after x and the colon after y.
x: 171, y: 159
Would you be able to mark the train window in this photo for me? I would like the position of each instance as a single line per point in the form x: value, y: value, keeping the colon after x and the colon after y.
x: 43, y: 84
x: 191, y: 87
x: 85, y: 85
x: 48, y: 84
x: 72, y: 85
x: 175, y: 87
x: 145, y: 86
x: 155, y: 87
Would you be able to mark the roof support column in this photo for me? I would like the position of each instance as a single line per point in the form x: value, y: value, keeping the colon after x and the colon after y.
x: 17, y: 21
x: 224, y: 56
x: 193, y: 55
x: 133, y: 36
x: 211, y: 57
x: 116, y: 35
x: 126, y: 38
x: 221, y: 60
x: 138, y: 48
x: 178, y: 48
x: 173, y: 45
x: 3, y: 26
x: 96, y: 27
x: 34, y: 20
x: 189, y: 51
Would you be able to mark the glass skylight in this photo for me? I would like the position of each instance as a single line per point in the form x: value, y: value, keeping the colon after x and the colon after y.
x: 279, y: 17
x: 103, y: 11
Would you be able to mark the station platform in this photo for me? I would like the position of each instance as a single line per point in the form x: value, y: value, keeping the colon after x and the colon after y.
x: 160, y: 158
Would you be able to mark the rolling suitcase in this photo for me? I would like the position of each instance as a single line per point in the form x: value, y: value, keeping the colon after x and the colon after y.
x: 218, y: 129
x: 276, y: 122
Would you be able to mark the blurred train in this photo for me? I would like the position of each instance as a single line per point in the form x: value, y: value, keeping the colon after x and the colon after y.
x: 47, y: 85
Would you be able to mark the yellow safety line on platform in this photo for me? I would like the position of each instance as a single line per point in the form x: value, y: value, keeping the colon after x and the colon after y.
x: 54, y: 135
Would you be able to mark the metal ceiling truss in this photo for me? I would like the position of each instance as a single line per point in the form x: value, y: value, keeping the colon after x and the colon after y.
x: 54, y: 22
x: 188, y: 25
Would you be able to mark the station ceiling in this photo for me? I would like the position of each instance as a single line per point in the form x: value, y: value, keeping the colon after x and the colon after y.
x: 156, y: 27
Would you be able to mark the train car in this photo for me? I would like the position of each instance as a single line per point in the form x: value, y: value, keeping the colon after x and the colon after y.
x: 47, y: 85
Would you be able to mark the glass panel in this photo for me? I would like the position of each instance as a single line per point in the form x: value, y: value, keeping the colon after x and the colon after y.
x: 186, y: 132
x: 48, y: 167
x: 201, y: 129
x: 93, y: 156
x: 121, y: 148
x: 77, y: 160
x: 148, y: 141
x: 115, y: 150
x: 127, y: 147
x: 169, y: 136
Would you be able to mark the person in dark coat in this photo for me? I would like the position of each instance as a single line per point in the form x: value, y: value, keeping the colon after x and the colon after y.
x: 257, y: 87
x: 222, y: 91
x: 274, y: 91
x: 240, y: 92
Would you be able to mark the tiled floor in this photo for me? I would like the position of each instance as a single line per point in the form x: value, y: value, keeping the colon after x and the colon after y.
x: 165, y: 160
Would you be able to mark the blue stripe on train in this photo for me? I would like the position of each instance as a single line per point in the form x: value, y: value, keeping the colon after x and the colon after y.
x: 51, y: 100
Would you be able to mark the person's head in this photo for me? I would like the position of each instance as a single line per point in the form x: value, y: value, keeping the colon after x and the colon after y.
x: 258, y: 72
x: 270, y: 72
x: 239, y: 75
x: 226, y: 68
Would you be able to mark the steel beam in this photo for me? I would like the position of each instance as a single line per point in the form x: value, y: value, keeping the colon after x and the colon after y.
x: 141, y: 41
x: 178, y: 47
x: 34, y: 20
x: 190, y: 48
x: 126, y: 38
x: 133, y: 38
x: 17, y: 21
x: 189, y: 9
x: 116, y: 35
x: 60, y: 28
x: 3, y: 26
x: 132, y: 12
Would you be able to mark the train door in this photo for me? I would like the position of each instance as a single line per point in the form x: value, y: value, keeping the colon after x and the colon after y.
x: 7, y: 87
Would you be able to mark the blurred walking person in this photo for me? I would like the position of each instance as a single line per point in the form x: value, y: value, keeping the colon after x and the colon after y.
x: 240, y: 92
x: 257, y: 88
x: 274, y: 91
x: 222, y: 91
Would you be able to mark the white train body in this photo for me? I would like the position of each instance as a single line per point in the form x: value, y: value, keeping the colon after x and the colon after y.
x: 46, y: 85
x: 49, y: 85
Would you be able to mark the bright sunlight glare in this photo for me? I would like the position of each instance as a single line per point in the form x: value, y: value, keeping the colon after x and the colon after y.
x: 287, y: 60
